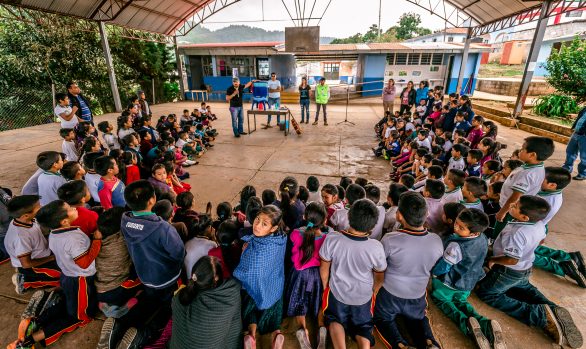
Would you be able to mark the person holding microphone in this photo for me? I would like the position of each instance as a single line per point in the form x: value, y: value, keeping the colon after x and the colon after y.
x: 234, y: 95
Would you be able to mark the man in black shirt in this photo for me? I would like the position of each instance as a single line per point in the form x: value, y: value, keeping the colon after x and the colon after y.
x: 234, y: 95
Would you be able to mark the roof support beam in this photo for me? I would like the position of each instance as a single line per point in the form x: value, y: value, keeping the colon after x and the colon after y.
x: 179, y: 61
x: 110, y: 65
x: 464, y: 61
x: 532, y: 59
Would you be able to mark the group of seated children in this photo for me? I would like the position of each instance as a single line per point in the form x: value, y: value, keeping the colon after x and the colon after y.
x: 166, y: 275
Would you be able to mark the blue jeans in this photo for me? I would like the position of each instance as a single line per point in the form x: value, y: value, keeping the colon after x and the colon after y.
x: 304, y: 109
x: 272, y: 102
x: 576, y: 146
x: 511, y: 292
x: 237, y: 120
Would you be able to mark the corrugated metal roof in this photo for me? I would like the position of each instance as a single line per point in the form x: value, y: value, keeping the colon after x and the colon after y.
x: 165, y: 16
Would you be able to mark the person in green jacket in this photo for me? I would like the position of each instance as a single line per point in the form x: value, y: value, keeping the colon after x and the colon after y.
x: 322, y: 95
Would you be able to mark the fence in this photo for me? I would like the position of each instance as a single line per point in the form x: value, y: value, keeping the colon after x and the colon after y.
x: 26, y: 107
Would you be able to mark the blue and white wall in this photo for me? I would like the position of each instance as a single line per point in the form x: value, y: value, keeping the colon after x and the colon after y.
x: 372, y: 69
x: 472, y: 67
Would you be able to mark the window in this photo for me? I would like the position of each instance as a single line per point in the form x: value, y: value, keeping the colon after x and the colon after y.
x: 433, y: 68
x: 413, y: 59
x: 390, y: 58
x: 206, y: 64
x: 450, y: 39
x: 332, y: 71
x: 574, y: 14
x: 225, y: 64
x: 401, y: 59
x: 425, y: 58
x: 437, y: 59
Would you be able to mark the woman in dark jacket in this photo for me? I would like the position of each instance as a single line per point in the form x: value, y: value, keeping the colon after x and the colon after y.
x: 465, y: 105
x: 407, y: 96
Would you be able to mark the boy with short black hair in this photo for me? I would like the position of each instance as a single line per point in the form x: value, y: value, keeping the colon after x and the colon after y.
x: 461, y: 123
x: 395, y: 191
x: 475, y: 133
x: 407, y: 180
x: 411, y: 252
x: 110, y: 188
x: 450, y: 213
x: 457, y: 273
x: 474, y: 188
x: 459, y: 152
x: 110, y: 139
x: 50, y: 179
x: 433, y: 193
x: 454, y: 180
x: 150, y: 238
x: 489, y: 169
x: 373, y: 194
x: 69, y: 147
x: 339, y: 220
x: 473, y: 168
x: 27, y: 246
x: 346, y: 256
x: 491, y: 204
x: 312, y: 184
x: 72, y: 171
x: 423, y: 140
x: 75, y: 254
x: 527, y: 179
x: 77, y: 194
x: 510, y: 268
x: 558, y: 262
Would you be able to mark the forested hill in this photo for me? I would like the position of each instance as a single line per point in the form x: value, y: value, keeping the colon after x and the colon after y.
x: 238, y: 33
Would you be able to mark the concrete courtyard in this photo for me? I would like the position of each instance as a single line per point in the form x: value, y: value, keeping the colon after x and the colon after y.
x: 263, y: 159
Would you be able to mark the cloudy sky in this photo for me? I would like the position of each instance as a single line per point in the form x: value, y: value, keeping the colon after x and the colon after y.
x: 341, y: 19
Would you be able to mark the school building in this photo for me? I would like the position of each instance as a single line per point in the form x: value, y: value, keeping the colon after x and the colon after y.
x: 364, y: 66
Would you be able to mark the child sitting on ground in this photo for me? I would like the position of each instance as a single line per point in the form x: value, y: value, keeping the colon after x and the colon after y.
x: 451, y: 211
x: 510, y: 268
x: 174, y: 181
x: 475, y: 134
x: 508, y: 167
x: 75, y: 254
x: 456, y: 274
x: 204, y: 239
x: 305, y: 289
x: 490, y: 169
x: 433, y: 193
x: 558, y: 262
x: 91, y: 178
x: 473, y: 168
x: 116, y: 283
x: 164, y: 208
x: 395, y: 191
x: 50, y: 179
x: 229, y: 249
x: 72, y: 171
x: 407, y: 180
x: 312, y: 185
x: 329, y: 195
x: 454, y: 180
x: 491, y: 204
x: 69, y: 147
x: 459, y: 153
x: 185, y: 212
x: 110, y: 188
x: 411, y: 253
x: 474, y: 188
x: 339, y: 220
x: 347, y: 256
x: 110, y: 139
x: 28, y: 248
x: 129, y: 160
x: 269, y: 196
x: 263, y: 283
x: 77, y: 194
x: 158, y: 179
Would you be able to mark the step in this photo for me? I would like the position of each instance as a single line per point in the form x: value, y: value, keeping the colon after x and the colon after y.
x: 541, y: 132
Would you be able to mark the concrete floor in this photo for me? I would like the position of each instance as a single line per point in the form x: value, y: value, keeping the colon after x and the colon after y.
x: 263, y: 160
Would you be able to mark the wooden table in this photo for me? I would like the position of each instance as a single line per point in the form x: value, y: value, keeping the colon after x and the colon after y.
x: 285, y: 112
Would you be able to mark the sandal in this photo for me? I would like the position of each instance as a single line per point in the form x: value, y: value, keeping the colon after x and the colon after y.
x: 249, y: 342
x: 278, y: 341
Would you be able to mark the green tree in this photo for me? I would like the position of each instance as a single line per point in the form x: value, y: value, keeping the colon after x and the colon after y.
x: 567, y: 69
x: 409, y: 26
x: 372, y: 34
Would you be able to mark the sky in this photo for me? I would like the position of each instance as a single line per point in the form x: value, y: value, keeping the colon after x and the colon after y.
x: 342, y: 18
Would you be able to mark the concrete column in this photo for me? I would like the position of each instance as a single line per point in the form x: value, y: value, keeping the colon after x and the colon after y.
x: 110, y: 66
x: 179, y: 62
x: 464, y: 60
x: 532, y: 58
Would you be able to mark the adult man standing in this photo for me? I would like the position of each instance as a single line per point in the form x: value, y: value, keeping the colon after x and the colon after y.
x: 144, y: 105
x: 234, y: 95
x: 274, y: 97
x: 577, y: 146
x: 76, y: 99
x: 322, y: 95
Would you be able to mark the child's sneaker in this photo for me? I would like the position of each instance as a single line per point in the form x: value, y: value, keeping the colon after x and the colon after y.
x: 110, y: 334
x: 18, y: 282
x: 477, y: 335
x: 302, y: 338
x: 322, y: 338
x: 34, y: 305
x: 133, y: 338
x: 498, y: 341
x: 571, y: 269
x: 571, y: 333
x: 579, y: 259
x: 278, y: 341
x: 552, y: 327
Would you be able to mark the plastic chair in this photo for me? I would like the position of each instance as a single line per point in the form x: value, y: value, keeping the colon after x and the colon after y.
x: 260, y: 94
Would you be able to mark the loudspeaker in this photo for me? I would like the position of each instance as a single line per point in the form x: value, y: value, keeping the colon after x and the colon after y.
x: 302, y: 39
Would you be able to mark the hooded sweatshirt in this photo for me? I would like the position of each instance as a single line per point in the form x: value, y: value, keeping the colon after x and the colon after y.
x: 155, y: 247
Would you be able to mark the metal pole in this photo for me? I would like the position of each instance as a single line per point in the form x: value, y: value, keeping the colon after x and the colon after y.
x: 532, y: 58
x: 153, y: 80
x: 53, y: 95
x: 110, y: 65
x: 179, y: 68
x: 380, y: 4
x: 464, y: 60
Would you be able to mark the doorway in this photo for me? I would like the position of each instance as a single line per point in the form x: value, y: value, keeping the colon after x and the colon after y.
x: 195, y: 64
x: 448, y: 77
x: 263, y: 69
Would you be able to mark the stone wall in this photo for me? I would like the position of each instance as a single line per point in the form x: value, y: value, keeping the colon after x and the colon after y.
x: 510, y: 87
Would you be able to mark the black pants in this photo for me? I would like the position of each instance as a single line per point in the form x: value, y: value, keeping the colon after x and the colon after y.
x: 44, y: 275
x: 317, y: 111
x: 405, y: 108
